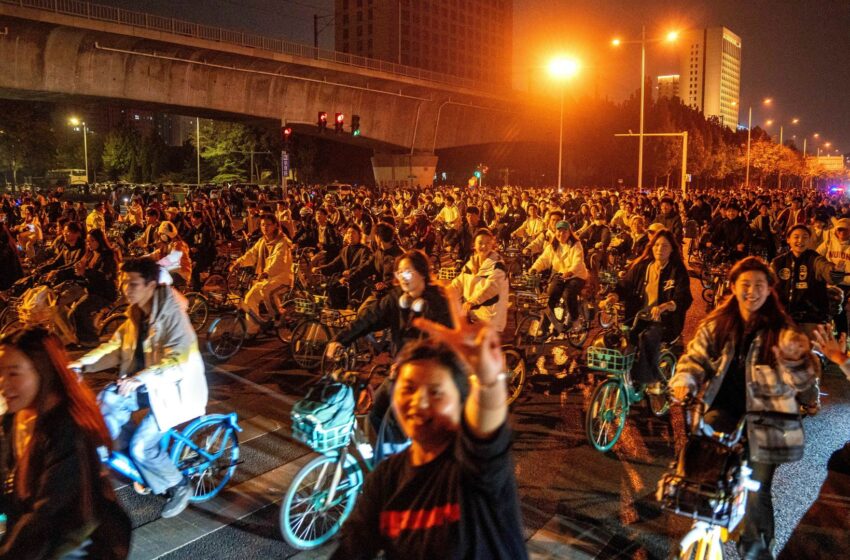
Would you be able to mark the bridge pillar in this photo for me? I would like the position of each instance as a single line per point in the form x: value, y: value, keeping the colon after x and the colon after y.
x: 404, y: 170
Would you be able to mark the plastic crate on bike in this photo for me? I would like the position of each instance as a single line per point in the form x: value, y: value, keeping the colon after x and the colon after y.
x: 324, y: 418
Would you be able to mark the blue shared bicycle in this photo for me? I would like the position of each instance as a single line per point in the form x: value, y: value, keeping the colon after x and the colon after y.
x: 206, y: 452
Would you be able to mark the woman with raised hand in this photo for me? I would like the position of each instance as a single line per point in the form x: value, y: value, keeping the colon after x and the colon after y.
x: 452, y: 493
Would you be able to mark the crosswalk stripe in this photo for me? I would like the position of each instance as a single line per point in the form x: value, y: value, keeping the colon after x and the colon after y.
x: 164, y: 536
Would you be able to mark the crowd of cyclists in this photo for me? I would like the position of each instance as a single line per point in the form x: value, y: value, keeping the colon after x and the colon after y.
x: 439, y: 271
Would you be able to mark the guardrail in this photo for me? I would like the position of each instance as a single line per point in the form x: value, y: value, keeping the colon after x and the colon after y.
x: 153, y: 22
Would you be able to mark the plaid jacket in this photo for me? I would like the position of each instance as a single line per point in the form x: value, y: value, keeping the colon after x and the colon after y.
x: 769, y: 390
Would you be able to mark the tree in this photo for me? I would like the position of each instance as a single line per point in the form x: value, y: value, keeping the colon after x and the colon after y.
x: 27, y: 139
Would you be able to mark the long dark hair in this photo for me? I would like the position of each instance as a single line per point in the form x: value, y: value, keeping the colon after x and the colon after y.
x: 48, y: 357
x: 675, y: 256
x: 771, y: 317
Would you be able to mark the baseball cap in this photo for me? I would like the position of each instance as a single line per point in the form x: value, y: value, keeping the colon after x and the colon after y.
x: 655, y: 227
x: 564, y: 224
x: 842, y: 223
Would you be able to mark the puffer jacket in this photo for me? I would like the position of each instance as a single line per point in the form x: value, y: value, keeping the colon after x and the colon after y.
x: 486, y: 290
x: 778, y: 390
x: 174, y: 370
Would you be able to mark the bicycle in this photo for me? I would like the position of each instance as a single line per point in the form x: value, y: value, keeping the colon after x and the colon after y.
x: 530, y: 337
x: 323, y: 493
x: 206, y: 452
x: 708, y: 483
x: 612, y: 399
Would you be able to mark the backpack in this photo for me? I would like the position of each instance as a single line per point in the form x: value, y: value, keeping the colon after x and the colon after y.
x: 323, y: 418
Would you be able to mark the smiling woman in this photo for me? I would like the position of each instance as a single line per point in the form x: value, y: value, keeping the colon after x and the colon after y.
x: 56, y: 501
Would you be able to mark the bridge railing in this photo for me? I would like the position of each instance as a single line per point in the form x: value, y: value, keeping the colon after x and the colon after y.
x: 153, y: 22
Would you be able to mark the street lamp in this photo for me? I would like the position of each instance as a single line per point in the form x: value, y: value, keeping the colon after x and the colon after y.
x: 671, y: 37
x: 765, y: 101
x: 562, y: 69
x: 74, y: 121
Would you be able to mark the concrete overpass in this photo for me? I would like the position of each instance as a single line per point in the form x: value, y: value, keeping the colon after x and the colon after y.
x: 71, y: 48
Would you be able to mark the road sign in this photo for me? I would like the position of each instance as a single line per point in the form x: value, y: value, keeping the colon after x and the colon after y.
x: 284, y: 163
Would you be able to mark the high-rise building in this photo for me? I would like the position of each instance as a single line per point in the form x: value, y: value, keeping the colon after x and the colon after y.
x: 668, y: 86
x: 466, y: 38
x: 710, y: 73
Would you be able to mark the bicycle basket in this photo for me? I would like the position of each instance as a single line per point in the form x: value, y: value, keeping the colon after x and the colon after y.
x: 529, y: 282
x: 609, y: 360
x: 304, y: 306
x: 324, y: 418
x: 706, y: 483
x: 338, y: 318
x: 447, y: 273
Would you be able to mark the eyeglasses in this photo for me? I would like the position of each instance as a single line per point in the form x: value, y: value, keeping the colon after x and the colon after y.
x: 406, y: 275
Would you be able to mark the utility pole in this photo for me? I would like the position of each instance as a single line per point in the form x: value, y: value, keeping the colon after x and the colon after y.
x: 198, y: 147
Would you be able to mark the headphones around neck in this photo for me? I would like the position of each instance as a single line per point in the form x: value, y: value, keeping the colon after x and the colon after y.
x: 417, y: 305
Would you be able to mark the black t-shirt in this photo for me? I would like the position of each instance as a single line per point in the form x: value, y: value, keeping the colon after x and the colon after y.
x: 732, y: 395
x: 461, y: 505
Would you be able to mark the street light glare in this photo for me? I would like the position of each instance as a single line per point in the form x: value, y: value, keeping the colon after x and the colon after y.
x: 672, y: 36
x: 768, y: 100
x: 795, y: 121
x: 769, y: 122
x: 74, y: 121
x: 563, y: 67
x: 616, y: 42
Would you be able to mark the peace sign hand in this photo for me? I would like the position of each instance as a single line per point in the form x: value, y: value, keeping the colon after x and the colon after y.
x: 477, y: 344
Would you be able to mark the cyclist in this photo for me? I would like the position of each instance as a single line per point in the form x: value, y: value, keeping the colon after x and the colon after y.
x: 202, y: 249
x: 483, y: 283
x: 160, y: 368
x: 732, y: 234
x: 532, y: 226
x: 837, y: 251
x: 470, y: 227
x: 57, y: 502
x: 99, y: 269
x: 670, y: 218
x: 658, y: 281
x: 169, y: 242
x: 271, y: 258
x: 450, y: 214
x: 353, y: 257
x: 803, y: 276
x: 565, y: 257
x: 71, y: 250
x: 150, y: 235
x: 452, y: 493
x: 747, y: 358
x: 381, y: 266
x: 96, y: 219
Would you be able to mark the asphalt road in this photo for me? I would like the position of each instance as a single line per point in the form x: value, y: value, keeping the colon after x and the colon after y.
x: 603, y: 503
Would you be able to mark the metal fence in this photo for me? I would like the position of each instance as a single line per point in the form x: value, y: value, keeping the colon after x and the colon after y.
x: 112, y: 14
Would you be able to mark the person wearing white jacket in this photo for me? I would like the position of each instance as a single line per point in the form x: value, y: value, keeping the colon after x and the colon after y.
x: 271, y: 258
x: 565, y: 257
x: 160, y: 367
x: 483, y: 283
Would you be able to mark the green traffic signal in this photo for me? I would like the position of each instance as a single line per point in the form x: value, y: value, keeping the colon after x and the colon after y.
x: 477, y: 174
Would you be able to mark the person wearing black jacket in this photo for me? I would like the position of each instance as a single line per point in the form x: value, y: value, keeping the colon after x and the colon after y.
x: 381, y: 267
x: 98, y: 268
x: 803, y: 277
x: 732, y: 234
x: 11, y: 271
x: 471, y: 225
x: 658, y: 282
x: 201, y: 243
x: 321, y: 235
x: 62, y: 266
x: 353, y: 257
x: 58, y: 503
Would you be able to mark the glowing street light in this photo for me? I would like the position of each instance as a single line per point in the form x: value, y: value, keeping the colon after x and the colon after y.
x: 769, y: 122
x: 76, y: 122
x: 562, y: 68
x: 795, y: 121
x: 670, y: 37
x: 768, y: 100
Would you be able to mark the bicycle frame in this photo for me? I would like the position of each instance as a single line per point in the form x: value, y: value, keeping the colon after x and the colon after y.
x: 124, y: 465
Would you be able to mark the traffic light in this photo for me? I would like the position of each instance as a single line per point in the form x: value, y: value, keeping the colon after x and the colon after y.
x: 477, y: 174
x: 286, y: 132
x: 339, y: 123
x: 323, y: 121
x: 355, y: 125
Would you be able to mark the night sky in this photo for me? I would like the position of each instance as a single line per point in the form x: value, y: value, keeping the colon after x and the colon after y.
x: 796, y: 52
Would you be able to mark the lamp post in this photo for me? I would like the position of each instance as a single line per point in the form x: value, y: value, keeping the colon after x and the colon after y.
x: 670, y: 37
x: 74, y: 121
x: 562, y: 68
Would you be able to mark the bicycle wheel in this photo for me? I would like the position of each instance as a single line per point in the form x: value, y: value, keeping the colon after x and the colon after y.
x: 198, y: 310
x: 607, y: 414
x: 226, y: 335
x: 578, y: 336
x: 211, y: 463
x: 528, y: 338
x: 110, y: 325
x: 660, y: 404
x: 313, y: 509
x: 309, y: 339
x: 606, y: 318
x: 708, y: 295
x: 215, y: 289
x: 516, y: 372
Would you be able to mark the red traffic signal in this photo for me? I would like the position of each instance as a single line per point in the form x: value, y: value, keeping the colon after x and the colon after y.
x: 286, y: 133
x: 339, y: 122
x: 323, y: 121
